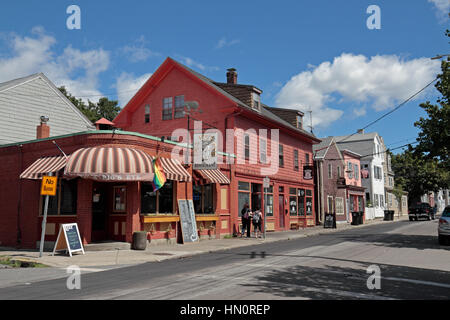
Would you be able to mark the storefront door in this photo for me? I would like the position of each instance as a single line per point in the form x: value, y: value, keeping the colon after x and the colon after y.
x: 99, y: 212
x: 281, y: 210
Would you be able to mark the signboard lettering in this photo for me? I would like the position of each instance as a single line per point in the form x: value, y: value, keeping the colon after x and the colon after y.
x: 68, y: 239
x: 48, y: 186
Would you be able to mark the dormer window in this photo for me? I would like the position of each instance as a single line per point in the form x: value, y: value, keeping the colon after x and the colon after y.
x: 299, y: 121
x: 256, y: 101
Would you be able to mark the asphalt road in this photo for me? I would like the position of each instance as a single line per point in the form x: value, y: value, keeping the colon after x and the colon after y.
x: 331, y: 266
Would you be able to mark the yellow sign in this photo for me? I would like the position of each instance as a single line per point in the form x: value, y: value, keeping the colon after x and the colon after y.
x: 48, y: 187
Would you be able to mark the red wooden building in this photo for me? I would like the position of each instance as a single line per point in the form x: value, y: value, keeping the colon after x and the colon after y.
x: 104, y: 176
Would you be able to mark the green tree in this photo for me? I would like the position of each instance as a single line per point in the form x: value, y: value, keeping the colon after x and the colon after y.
x: 417, y: 175
x: 104, y: 108
x: 434, y: 135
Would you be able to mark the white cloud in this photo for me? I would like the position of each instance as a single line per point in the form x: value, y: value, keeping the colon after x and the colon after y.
x: 379, y: 81
x: 127, y: 85
x: 137, y: 51
x: 194, y: 64
x: 442, y: 8
x: 77, y: 70
x: 223, y: 42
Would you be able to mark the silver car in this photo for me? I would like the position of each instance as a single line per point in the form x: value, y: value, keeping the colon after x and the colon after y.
x: 444, y: 226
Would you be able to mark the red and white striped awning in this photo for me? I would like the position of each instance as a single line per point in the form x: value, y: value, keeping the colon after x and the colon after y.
x: 44, y: 166
x: 174, y: 170
x: 214, y: 176
x: 110, y: 164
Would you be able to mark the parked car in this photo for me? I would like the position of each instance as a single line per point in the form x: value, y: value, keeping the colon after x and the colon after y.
x: 444, y: 226
x: 421, y: 210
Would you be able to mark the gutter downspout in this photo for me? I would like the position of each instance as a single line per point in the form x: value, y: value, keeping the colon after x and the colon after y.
x: 19, y: 200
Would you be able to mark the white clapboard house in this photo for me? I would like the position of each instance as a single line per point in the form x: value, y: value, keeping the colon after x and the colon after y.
x: 25, y: 100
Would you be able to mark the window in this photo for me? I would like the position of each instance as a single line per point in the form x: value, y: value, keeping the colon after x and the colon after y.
x: 306, y: 158
x: 203, y: 198
x: 309, y: 203
x: 296, y: 160
x: 281, y: 156
x: 269, y: 204
x: 378, y: 172
x: 339, y: 205
x: 330, y: 204
x: 167, y: 109
x: 65, y: 201
x: 350, y: 170
x: 299, y: 121
x: 247, y: 146
x: 120, y: 199
x: 356, y: 172
x: 338, y: 171
x: 263, y: 151
x: 381, y: 201
x: 301, y: 201
x: 256, y: 101
x: 157, y: 202
x: 330, y: 171
x: 147, y: 113
x: 179, y: 107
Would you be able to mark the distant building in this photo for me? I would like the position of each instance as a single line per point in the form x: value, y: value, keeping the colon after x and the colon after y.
x: 338, y: 181
x: 370, y: 147
x: 25, y: 100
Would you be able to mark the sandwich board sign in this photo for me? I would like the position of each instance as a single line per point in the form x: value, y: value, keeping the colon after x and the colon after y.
x: 187, y: 221
x: 68, y: 239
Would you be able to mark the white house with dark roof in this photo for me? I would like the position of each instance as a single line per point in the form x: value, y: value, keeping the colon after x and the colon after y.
x: 370, y: 147
x: 22, y: 103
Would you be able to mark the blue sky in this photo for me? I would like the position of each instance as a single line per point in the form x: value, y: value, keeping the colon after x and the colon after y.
x: 309, y: 55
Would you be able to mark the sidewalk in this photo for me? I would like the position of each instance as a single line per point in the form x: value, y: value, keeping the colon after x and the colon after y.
x: 120, y: 257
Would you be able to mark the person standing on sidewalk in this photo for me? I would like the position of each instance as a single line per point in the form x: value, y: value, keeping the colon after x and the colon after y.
x: 245, y: 217
x: 256, y: 219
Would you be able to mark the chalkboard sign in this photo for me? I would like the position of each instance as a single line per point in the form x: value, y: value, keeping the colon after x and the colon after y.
x: 187, y: 219
x: 68, y: 239
x: 330, y: 221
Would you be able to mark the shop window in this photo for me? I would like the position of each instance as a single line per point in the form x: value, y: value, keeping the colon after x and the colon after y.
x: 293, y: 205
x: 309, y: 206
x: 203, y: 198
x: 301, y: 202
x: 281, y: 189
x: 296, y: 160
x: 179, y: 107
x: 245, y: 186
x: 167, y: 109
x: 65, y: 201
x: 280, y: 156
x: 269, y: 205
x: 120, y: 198
x: 157, y: 202
x: 147, y: 113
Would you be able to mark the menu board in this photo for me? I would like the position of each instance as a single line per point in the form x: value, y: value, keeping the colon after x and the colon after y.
x: 330, y: 221
x: 188, y: 222
x: 68, y: 239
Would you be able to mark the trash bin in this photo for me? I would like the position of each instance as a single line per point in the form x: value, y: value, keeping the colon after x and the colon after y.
x: 355, y: 218
x: 139, y: 240
x: 387, y: 215
x: 391, y: 215
x: 361, y: 217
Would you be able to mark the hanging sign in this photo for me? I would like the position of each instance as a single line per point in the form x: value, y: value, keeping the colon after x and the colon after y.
x: 308, y: 172
x: 69, y: 239
x: 205, y: 151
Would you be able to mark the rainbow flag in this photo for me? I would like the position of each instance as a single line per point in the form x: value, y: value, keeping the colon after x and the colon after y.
x: 160, y: 178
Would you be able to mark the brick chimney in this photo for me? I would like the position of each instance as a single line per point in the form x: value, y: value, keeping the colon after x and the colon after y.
x: 43, y: 130
x: 231, y: 76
